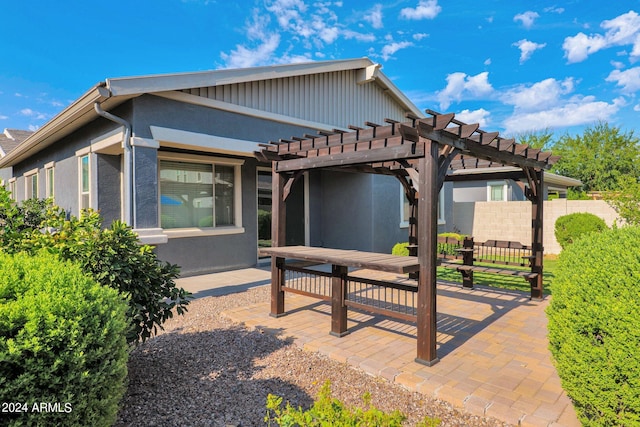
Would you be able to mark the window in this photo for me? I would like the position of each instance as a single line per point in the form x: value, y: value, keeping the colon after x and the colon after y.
x: 199, y: 195
x: 497, y: 191
x: 12, y: 188
x: 31, y: 184
x: 49, y: 182
x: 85, y: 182
x: 406, y: 209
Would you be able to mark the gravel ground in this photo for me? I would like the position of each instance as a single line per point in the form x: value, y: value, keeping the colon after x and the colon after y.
x: 204, y: 370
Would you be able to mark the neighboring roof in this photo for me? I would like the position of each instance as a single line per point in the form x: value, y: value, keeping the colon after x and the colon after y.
x: 11, y: 138
x: 549, y: 177
x: 114, y: 91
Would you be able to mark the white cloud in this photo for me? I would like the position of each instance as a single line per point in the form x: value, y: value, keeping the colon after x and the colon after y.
x: 527, y: 18
x: 3, y: 117
x: 374, y: 16
x: 480, y: 116
x: 620, y: 31
x: 361, y: 37
x: 553, y: 9
x: 392, y: 48
x: 628, y: 79
x: 527, y: 48
x: 541, y: 95
x: 242, y: 57
x: 636, y: 107
x: 33, y: 128
x: 288, y: 12
x: 460, y: 84
x: 487, y: 61
x: 34, y: 115
x: 426, y: 9
x: 306, y: 28
x: 577, y: 111
x: 420, y: 36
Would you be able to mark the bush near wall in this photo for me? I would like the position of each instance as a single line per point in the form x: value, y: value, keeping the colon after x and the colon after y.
x: 570, y: 227
x: 113, y: 256
x: 403, y: 250
x: 63, y: 351
x: 593, y: 326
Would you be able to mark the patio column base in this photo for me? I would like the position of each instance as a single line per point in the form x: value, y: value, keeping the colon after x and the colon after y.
x: 427, y: 362
x: 338, y: 334
x: 277, y: 315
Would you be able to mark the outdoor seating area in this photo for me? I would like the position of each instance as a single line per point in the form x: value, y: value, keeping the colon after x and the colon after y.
x: 420, y: 153
x: 495, y: 361
x: 501, y: 255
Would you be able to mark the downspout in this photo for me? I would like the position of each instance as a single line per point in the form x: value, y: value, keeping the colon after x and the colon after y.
x: 129, y: 170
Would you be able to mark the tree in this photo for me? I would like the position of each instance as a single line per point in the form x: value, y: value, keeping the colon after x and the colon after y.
x: 626, y: 201
x: 599, y: 157
x: 539, y: 139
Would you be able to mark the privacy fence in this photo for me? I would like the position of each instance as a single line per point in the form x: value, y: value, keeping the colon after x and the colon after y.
x: 511, y: 220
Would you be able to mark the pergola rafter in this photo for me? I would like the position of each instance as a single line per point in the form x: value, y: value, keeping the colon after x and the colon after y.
x: 420, y: 153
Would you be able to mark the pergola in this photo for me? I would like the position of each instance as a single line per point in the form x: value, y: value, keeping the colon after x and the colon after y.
x: 419, y: 152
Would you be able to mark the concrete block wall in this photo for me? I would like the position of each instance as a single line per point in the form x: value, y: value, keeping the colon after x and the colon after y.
x: 512, y: 220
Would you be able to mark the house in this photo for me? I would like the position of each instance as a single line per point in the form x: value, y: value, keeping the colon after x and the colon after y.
x: 9, y: 140
x: 173, y: 156
x: 506, y: 184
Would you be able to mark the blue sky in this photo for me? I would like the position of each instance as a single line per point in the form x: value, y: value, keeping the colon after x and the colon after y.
x: 512, y: 66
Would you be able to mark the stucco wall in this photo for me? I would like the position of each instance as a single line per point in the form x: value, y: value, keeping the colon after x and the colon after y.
x: 512, y: 220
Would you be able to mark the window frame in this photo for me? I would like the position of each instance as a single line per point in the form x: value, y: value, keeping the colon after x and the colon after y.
x: 49, y: 177
x: 12, y: 188
x: 505, y: 194
x: 404, y: 221
x: 237, y: 227
x: 81, y: 191
x: 31, y: 187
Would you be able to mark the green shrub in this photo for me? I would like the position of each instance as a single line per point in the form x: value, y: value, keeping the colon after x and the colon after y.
x: 206, y: 221
x: 113, y: 256
x: 403, y: 250
x: 329, y: 411
x: 264, y: 224
x: 457, y: 236
x: 593, y: 326
x: 62, y: 344
x: 570, y: 227
x: 400, y: 249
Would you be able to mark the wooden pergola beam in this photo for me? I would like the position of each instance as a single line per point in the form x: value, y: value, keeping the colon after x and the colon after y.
x: 419, y: 152
x: 404, y: 151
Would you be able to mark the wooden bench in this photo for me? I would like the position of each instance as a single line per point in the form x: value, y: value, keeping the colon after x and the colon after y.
x: 497, y: 255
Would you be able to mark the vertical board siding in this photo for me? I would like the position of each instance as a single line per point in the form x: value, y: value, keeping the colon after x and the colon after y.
x: 333, y: 98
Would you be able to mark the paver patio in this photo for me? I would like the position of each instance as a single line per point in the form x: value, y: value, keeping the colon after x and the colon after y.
x: 492, y: 345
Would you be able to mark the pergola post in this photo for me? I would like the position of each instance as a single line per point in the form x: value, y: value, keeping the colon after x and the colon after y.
x: 427, y: 248
x: 537, y: 245
x: 278, y: 235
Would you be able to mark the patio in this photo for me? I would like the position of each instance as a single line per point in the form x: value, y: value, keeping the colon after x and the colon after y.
x: 497, y: 363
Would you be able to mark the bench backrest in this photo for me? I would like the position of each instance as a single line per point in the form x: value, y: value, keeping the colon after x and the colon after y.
x: 447, y: 247
x: 502, y: 252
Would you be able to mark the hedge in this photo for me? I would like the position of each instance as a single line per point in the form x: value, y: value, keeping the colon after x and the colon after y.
x: 63, y: 351
x: 593, y: 326
x: 568, y: 228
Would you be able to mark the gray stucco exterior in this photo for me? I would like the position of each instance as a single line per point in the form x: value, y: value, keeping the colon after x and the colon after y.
x: 325, y: 208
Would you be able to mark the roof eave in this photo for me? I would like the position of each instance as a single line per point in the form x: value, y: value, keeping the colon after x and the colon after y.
x: 179, y: 81
x: 54, y: 127
x: 397, y: 94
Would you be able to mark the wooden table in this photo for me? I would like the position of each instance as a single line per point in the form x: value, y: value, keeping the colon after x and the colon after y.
x: 340, y: 260
x: 347, y: 257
